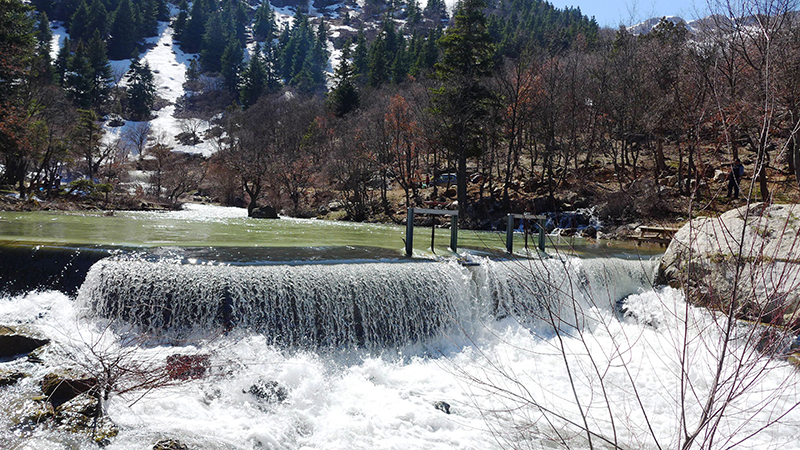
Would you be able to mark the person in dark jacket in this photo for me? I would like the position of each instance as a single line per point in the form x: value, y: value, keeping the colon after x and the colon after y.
x: 737, y: 170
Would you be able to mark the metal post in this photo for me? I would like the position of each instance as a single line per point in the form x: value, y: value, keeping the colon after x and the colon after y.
x: 541, y: 233
x: 454, y: 233
x: 510, y: 233
x: 410, y: 232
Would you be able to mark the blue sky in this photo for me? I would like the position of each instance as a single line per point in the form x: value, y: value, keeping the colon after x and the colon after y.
x: 612, y: 13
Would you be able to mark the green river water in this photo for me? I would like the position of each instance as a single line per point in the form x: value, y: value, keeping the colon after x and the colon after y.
x: 202, y: 228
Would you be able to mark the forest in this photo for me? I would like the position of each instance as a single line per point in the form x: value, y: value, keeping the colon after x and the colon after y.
x: 360, y: 112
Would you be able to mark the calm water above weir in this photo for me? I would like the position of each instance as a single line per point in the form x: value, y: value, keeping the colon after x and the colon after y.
x: 228, y: 234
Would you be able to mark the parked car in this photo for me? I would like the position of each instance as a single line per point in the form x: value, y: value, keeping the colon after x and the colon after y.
x: 446, y: 179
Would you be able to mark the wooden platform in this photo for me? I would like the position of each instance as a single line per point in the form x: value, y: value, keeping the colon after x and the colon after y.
x: 659, y: 235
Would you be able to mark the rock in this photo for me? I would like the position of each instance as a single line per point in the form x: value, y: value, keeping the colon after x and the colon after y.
x: 442, y: 406
x: 270, y: 391
x: 32, y: 411
x: 761, y: 240
x: 9, y: 378
x: 322, y: 4
x: 16, y: 341
x: 292, y: 3
x: 170, y: 444
x: 60, y: 387
x: 82, y: 414
x: 264, y: 212
x: 187, y: 367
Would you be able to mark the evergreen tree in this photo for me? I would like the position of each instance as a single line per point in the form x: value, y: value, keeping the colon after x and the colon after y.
x: 272, y: 65
x: 361, y: 57
x: 400, y: 65
x: 63, y: 61
x: 254, y: 79
x: 78, y: 80
x: 43, y: 65
x: 148, y: 18
x: 192, y: 36
x: 98, y: 20
x: 378, y: 67
x: 215, y: 41
x: 79, y: 23
x: 264, y: 25
x: 463, y: 100
x: 86, y: 139
x: 101, y: 70
x: 231, y: 64
x: 344, y: 97
x: 413, y: 12
x: 141, y: 90
x: 237, y: 20
x: 436, y: 11
x: 123, y: 30
x: 162, y: 10
x: 179, y: 25
x: 17, y: 50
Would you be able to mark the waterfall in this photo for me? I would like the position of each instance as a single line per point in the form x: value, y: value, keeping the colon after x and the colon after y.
x: 372, y: 304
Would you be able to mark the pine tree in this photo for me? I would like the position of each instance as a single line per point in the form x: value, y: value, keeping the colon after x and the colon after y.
x: 215, y: 41
x: 86, y: 140
x: 78, y: 81
x: 462, y: 101
x: 162, y: 10
x: 435, y: 10
x: 344, y: 97
x: 378, y: 68
x: 192, y: 37
x: 79, y: 23
x: 141, y: 90
x: 272, y: 66
x: 400, y: 65
x: 413, y: 12
x: 148, y: 18
x: 179, y: 25
x: 361, y: 57
x: 254, y: 79
x: 98, y: 19
x: 43, y: 66
x: 264, y: 25
x: 123, y: 30
x: 63, y: 61
x: 101, y: 70
x: 231, y: 64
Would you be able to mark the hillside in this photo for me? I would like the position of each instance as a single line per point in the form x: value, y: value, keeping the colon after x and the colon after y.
x: 354, y: 110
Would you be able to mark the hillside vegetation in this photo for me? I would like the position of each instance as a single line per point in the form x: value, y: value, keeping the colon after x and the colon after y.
x: 355, y: 112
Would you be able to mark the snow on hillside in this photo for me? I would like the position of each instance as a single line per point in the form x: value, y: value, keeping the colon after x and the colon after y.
x: 169, y: 63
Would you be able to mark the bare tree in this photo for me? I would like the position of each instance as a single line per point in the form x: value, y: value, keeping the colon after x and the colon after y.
x: 137, y: 136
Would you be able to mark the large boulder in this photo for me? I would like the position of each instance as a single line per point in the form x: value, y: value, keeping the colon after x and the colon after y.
x: 64, y: 385
x: 264, y: 212
x: 748, y: 258
x: 16, y: 341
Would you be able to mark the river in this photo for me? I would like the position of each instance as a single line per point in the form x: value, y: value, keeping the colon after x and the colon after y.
x: 317, y: 335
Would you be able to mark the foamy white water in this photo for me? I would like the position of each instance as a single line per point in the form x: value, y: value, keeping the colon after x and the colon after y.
x: 510, y: 382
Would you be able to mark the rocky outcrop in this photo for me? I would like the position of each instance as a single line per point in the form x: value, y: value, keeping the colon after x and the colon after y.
x: 16, y: 341
x: 268, y: 391
x: 170, y: 444
x: 61, y: 387
x: 748, y: 258
x: 82, y: 414
x: 264, y: 212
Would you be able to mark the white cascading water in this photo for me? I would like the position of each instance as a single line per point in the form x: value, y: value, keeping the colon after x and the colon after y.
x: 366, y: 354
x: 368, y: 304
